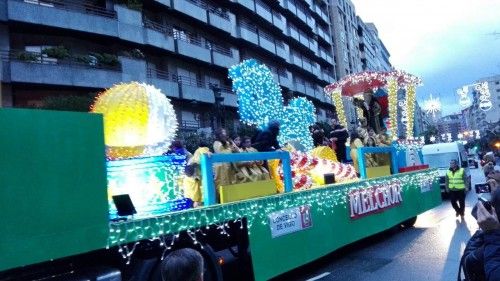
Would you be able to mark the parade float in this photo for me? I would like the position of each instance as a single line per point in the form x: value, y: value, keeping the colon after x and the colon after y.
x: 63, y: 173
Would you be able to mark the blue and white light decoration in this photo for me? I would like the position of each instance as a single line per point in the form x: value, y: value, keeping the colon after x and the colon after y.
x: 260, y: 101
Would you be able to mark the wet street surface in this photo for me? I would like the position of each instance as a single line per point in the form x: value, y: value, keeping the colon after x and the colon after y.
x: 430, y: 251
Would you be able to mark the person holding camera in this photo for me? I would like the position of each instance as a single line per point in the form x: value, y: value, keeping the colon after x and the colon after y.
x: 481, y: 258
x: 456, y: 184
x: 487, y: 219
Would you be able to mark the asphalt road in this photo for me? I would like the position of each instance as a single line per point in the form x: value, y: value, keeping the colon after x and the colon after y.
x: 429, y: 251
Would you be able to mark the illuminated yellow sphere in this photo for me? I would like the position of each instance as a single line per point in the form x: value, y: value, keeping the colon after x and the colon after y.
x: 139, y: 120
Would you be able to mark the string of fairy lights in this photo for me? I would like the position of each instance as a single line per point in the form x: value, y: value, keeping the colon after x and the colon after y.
x: 324, y: 201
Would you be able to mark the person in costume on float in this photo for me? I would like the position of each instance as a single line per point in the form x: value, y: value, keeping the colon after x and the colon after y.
x: 191, y: 181
x: 356, y: 142
x: 267, y: 139
x: 371, y: 110
x: 251, y: 170
x: 224, y: 172
x: 339, y: 137
x: 371, y: 158
x: 321, y: 149
x: 237, y: 141
x: 178, y: 148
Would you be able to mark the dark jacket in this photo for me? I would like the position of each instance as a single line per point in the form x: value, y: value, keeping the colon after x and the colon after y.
x: 341, y: 134
x: 266, y: 141
x: 472, y: 259
x: 492, y: 255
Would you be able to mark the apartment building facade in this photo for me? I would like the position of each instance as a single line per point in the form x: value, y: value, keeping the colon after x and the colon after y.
x: 346, y: 39
x: 183, y: 47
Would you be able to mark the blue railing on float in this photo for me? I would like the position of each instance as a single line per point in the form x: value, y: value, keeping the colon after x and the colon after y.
x: 386, y: 149
x: 208, y: 160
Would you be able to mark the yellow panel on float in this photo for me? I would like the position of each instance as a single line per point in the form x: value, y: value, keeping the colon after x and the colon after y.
x: 242, y: 191
x: 374, y: 172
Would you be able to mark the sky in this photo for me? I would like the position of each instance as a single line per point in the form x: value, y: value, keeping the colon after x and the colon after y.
x: 448, y: 43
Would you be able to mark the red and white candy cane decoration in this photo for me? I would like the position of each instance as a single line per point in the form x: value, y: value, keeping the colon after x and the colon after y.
x: 302, y: 161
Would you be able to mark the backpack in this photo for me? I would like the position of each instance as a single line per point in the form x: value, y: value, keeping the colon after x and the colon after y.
x: 472, y: 261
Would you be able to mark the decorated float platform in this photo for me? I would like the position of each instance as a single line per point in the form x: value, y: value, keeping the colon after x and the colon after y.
x: 68, y: 168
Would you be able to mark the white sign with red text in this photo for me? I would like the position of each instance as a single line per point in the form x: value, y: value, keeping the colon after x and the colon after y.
x: 290, y: 220
x: 374, y: 199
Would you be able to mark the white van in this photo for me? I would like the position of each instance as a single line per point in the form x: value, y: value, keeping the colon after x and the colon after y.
x: 439, y: 156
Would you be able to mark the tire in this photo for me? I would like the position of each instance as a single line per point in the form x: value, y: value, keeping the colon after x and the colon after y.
x: 409, y: 222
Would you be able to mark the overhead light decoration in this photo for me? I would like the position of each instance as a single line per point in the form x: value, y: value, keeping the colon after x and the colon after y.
x: 464, y: 99
x: 139, y: 120
x: 432, y: 106
x: 485, y: 103
x: 260, y: 101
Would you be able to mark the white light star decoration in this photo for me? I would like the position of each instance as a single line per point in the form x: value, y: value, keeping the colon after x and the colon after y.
x: 432, y: 138
x: 432, y: 106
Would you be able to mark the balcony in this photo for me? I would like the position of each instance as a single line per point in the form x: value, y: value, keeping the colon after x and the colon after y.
x: 248, y: 32
x: 35, y: 68
x: 193, y: 8
x: 249, y: 4
x: 309, y: 90
x: 316, y: 70
x: 191, y: 45
x: 310, y: 21
x: 282, y: 50
x: 220, y: 19
x: 129, y: 24
x: 304, y: 40
x: 224, y: 56
x: 230, y: 99
x: 285, y: 78
x: 292, y: 32
x: 158, y: 35
x: 195, y: 89
x: 306, y: 65
x: 65, y: 14
x: 263, y: 10
x: 321, y: 13
x: 165, y: 2
x: 290, y: 6
x: 266, y: 41
x: 301, y: 14
x: 300, y: 87
x: 165, y: 81
x: 294, y: 59
x: 313, y: 45
x: 279, y: 21
x: 328, y: 77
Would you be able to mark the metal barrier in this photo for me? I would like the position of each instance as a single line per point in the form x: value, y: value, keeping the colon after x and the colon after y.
x: 387, y: 149
x: 207, y: 161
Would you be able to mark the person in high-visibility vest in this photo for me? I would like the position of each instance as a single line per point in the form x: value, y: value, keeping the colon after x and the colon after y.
x: 456, y: 185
